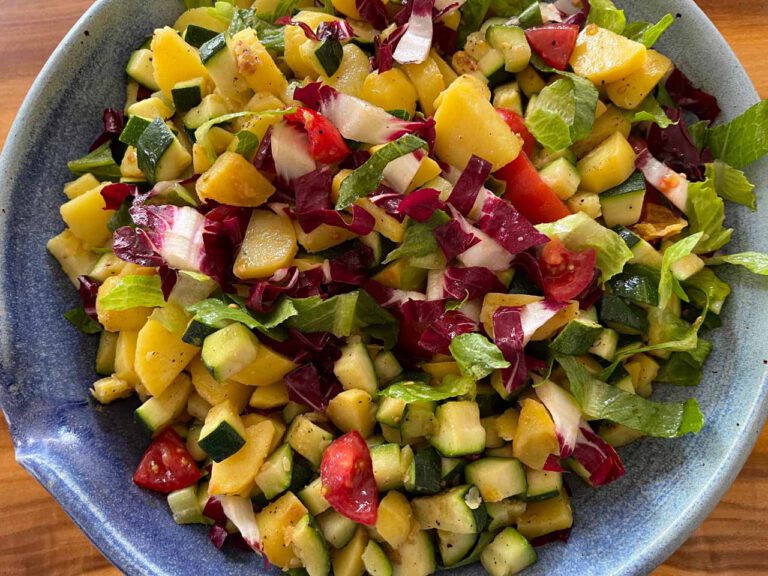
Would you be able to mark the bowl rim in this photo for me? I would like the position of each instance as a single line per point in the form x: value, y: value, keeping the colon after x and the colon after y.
x: 655, y: 551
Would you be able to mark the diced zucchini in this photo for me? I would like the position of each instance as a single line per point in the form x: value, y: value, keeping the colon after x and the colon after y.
x: 160, y: 411
x: 497, y: 478
x: 352, y: 410
x: 221, y: 65
x: 133, y: 130
x: 511, y: 41
x: 636, y: 284
x: 387, y: 366
x: 394, y: 519
x: 622, y: 207
x: 416, y: 556
x: 211, y: 106
x: 308, y: 439
x: 459, y: 431
x: 275, y: 474
x: 150, y: 108
x: 508, y: 96
x: 141, y: 69
x: 337, y: 529
x: 105, y: 354
x: 229, y: 350
x: 605, y: 344
x: 390, y: 411
x: 185, y: 506
x: 223, y: 433
x: 310, y: 547
x: 313, y: 499
x: 160, y: 155
x: 491, y: 65
x: 562, y: 177
x: 196, y: 36
x: 197, y: 406
x: 188, y: 94
x: 543, y: 485
x: 349, y: 560
x: 451, y: 470
x: 459, y: 509
x: 375, y: 560
x: 425, y: 472
x: 454, y: 547
x: 387, y: 468
x: 508, y: 554
x: 504, y: 513
x: 354, y: 368
x: 686, y: 267
x: 577, y: 337
x: 329, y: 54
x: 622, y: 316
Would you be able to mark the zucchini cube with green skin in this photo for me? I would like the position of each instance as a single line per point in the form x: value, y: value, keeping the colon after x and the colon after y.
x: 228, y: 351
x: 160, y: 155
x: 387, y: 467
x: 196, y: 36
x: 425, y: 472
x: 375, y: 560
x: 622, y: 316
x: 329, y: 54
x: 504, y: 513
x: 416, y: 556
x: 508, y: 554
x: 312, y: 497
x: 338, y: 530
x: 542, y: 485
x: 386, y: 364
x: 275, y: 474
x: 141, y: 68
x: 105, y: 354
x: 577, y: 337
x: 308, y: 439
x: 310, y: 547
x: 459, y: 510
x: 390, y: 411
x: 418, y: 421
x: 637, y: 285
x: 133, y: 130
x: 497, y: 478
x: 188, y: 94
x: 354, y: 368
x: 459, y: 431
x: 511, y: 41
x: 562, y: 177
x: 223, y: 433
x: 185, y: 506
x: 454, y: 547
x: 212, y: 106
x: 160, y: 411
x: 622, y: 207
x: 605, y: 344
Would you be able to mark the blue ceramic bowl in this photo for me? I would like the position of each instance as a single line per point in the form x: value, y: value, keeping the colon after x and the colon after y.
x: 84, y: 454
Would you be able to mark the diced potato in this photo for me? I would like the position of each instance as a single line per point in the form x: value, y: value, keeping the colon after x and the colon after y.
x: 235, y: 181
x: 496, y: 300
x: 274, y: 521
x: 118, y: 320
x: 352, y: 72
x: 151, y: 108
x: 603, y: 56
x: 643, y: 369
x: 386, y: 225
x: 219, y: 139
x: 268, y: 397
x: 429, y: 83
x: 263, y: 101
x: 428, y: 170
x: 466, y: 123
x: 129, y: 166
x: 265, y: 7
x: 348, y: 561
x: 74, y: 257
x: 608, y: 165
x: 630, y: 91
x: 232, y: 475
x: 80, y: 186
x: 322, y: 237
x: 438, y: 370
x: 268, y: 368
x: 175, y: 60
x: 530, y: 81
x: 160, y: 356
x: 390, y: 90
x: 352, y: 410
x: 217, y: 392
x: 199, y: 17
x: 200, y: 160
x: 611, y: 121
x: 255, y: 64
x: 587, y: 202
x: 269, y: 244
x: 111, y: 388
x: 394, y: 519
x: 347, y: 7
x: 535, y: 437
x: 449, y: 75
x: 545, y: 517
x: 87, y: 219
x: 295, y: 38
x: 125, y: 356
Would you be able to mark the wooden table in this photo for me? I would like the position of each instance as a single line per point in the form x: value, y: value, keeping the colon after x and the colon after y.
x: 37, y: 537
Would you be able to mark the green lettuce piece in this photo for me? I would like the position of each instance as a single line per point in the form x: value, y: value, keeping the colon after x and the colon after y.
x: 172, y: 317
x: 706, y: 214
x: 605, y: 14
x: 646, y: 33
x: 202, y: 131
x: 668, y: 284
x: 579, y: 232
x: 271, y: 36
x: 99, y: 162
x: 218, y: 313
x: 472, y: 16
x: 698, y: 130
x: 602, y: 401
x: 418, y: 241
x: 681, y: 369
x: 564, y: 112
x: 80, y: 320
x: 651, y: 111
x: 132, y: 291
x: 755, y: 262
x: 450, y: 387
x: 706, y: 290
x: 742, y: 140
x: 476, y: 356
x: 366, y: 178
x: 731, y: 184
x: 509, y: 8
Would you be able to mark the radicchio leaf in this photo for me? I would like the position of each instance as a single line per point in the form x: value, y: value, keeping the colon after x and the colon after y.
x: 467, y: 187
x: 509, y: 337
x: 421, y: 204
x: 415, y: 44
x: 114, y: 194
x: 453, y: 239
x: 674, y: 147
x: 438, y: 335
x: 374, y: 12
x: 597, y: 457
x: 565, y: 412
x: 470, y: 283
x: 88, y: 290
x: 688, y: 96
x: 223, y: 233
x: 389, y: 200
x: 306, y: 386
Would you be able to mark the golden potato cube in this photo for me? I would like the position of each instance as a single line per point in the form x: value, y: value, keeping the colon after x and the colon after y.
x: 235, y: 181
x: 350, y: 76
x: 175, y: 61
x: 268, y: 397
x: 274, y: 521
x: 295, y: 38
x: 608, y: 165
x: 322, y: 237
x: 630, y: 91
x: 125, y: 357
x: 215, y: 392
x: 466, y: 123
x: 86, y: 217
x: 74, y: 257
x: 390, y: 90
x: 535, y: 437
x: 80, y: 186
x: 603, y: 56
x: 429, y: 83
x: 352, y: 410
x: 269, y: 244
x: 160, y: 356
x: 611, y: 121
x: 234, y: 474
x: 256, y: 65
x: 268, y: 367
x: 118, y: 320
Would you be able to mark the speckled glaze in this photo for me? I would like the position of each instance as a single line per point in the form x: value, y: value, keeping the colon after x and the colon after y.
x: 84, y: 454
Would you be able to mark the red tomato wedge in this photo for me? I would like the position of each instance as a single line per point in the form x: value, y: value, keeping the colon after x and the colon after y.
x: 326, y: 144
x: 565, y: 273
x: 166, y: 465
x: 517, y: 125
x: 348, y: 482
x: 528, y: 192
x: 553, y: 43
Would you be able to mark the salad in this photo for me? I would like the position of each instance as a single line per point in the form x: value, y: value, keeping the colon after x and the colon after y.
x: 386, y: 278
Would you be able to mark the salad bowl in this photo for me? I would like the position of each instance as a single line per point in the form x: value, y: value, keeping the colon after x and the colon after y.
x: 84, y: 454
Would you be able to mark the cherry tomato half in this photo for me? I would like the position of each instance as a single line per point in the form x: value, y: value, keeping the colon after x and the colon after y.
x: 528, y: 192
x: 348, y: 482
x: 565, y: 273
x: 517, y: 125
x: 326, y: 144
x: 553, y: 43
x: 166, y: 465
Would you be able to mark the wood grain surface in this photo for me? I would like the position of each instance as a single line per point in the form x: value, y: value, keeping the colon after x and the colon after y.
x: 38, y: 538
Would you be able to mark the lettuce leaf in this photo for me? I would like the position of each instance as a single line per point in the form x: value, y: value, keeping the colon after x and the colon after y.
x: 366, y: 178
x: 755, y: 262
x: 450, y: 387
x: 605, y: 14
x: 472, y: 16
x: 80, y: 320
x: 476, y: 356
x: 706, y: 214
x: 651, y: 111
x: 668, y: 284
x: 579, y: 232
x: 742, y: 140
x: 132, y: 291
x: 731, y: 184
x: 99, y: 162
x: 418, y: 241
x: 707, y: 290
x: 602, y: 401
x: 646, y: 33
x: 218, y: 313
